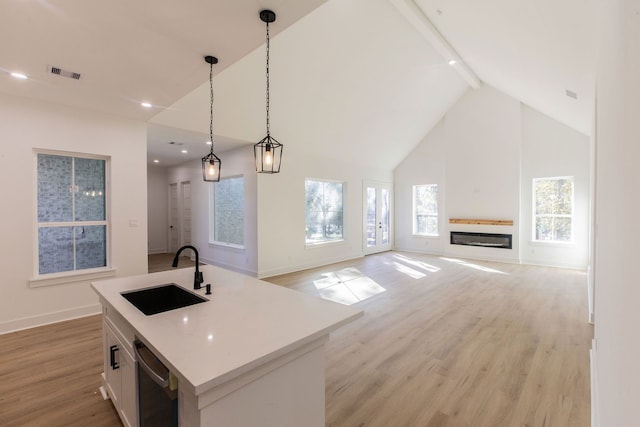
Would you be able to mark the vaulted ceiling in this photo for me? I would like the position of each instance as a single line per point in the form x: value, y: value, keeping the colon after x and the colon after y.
x: 355, y: 74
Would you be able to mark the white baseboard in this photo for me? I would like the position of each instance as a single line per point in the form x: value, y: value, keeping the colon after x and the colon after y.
x: 449, y: 254
x: 418, y: 251
x: 157, y: 251
x: 594, y: 383
x: 49, y: 318
x: 579, y: 267
x: 305, y: 266
x: 228, y: 266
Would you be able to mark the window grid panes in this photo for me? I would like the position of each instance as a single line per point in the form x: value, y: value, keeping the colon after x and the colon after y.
x: 425, y: 210
x: 324, y: 211
x: 385, y: 220
x: 553, y: 209
x: 371, y: 216
x: 71, y: 212
x: 228, y: 211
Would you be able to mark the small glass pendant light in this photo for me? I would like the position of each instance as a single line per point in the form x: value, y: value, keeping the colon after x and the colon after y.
x: 267, y: 152
x: 211, y: 164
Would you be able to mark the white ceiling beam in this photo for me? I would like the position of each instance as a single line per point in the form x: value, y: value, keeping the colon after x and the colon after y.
x: 415, y: 15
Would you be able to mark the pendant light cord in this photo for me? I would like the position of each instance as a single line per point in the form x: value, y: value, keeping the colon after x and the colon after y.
x: 267, y: 78
x: 211, y: 106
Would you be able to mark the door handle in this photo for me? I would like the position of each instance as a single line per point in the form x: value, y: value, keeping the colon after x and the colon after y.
x: 146, y: 359
x: 112, y: 357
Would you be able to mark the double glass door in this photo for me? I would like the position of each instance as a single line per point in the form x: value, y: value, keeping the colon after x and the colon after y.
x: 377, y: 213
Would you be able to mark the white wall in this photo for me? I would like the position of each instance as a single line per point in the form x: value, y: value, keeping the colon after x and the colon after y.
x: 281, y: 212
x: 234, y: 163
x: 424, y: 165
x: 26, y: 125
x: 482, y: 155
x: 617, y: 290
x: 482, y: 168
x: 551, y: 149
x: 157, y: 203
x: 274, y: 212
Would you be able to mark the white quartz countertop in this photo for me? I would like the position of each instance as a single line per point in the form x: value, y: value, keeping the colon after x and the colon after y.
x: 245, y: 323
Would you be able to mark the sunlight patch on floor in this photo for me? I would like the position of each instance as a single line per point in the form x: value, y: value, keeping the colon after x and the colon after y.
x: 411, y: 272
x: 418, y: 264
x: 347, y: 286
x: 474, y: 266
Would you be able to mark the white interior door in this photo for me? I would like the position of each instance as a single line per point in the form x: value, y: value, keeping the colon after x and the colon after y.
x: 378, y: 233
x: 174, y: 218
x: 186, y: 213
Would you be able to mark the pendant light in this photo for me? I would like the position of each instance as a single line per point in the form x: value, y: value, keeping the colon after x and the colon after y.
x: 267, y: 152
x: 211, y: 164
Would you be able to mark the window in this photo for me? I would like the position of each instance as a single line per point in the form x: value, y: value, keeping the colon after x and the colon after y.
x: 72, y: 213
x: 425, y: 210
x: 228, y: 211
x: 553, y: 209
x: 323, y: 206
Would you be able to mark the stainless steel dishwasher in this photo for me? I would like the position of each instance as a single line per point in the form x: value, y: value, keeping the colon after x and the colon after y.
x: 157, y: 403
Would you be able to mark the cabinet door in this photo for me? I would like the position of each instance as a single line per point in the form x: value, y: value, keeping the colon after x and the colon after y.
x: 112, y: 366
x: 120, y: 374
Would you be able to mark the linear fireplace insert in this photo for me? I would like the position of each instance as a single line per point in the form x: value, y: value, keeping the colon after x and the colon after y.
x: 488, y: 240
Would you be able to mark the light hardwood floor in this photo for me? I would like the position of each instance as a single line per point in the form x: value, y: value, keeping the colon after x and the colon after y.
x: 442, y: 343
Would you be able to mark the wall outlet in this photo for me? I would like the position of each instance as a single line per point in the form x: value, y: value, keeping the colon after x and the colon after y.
x: 133, y: 223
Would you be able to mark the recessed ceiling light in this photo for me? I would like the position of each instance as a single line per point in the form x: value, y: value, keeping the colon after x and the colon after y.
x: 184, y: 151
x: 208, y: 142
x: 452, y: 62
x: 19, y: 76
x: 156, y: 161
x: 146, y: 104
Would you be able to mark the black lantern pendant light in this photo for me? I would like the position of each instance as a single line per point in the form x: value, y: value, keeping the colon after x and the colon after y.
x: 267, y: 152
x: 211, y: 163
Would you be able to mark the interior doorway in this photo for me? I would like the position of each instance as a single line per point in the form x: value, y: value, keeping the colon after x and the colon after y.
x: 179, y: 215
x: 186, y: 212
x: 174, y: 218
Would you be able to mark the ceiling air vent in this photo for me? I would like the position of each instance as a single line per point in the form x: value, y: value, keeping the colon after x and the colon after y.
x: 571, y: 94
x: 64, y: 73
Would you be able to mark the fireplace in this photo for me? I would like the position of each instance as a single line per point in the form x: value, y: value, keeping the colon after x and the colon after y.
x: 487, y: 240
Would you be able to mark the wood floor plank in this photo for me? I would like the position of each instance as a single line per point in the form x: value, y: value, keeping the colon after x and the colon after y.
x: 458, y: 343
x: 443, y: 342
x: 50, y: 376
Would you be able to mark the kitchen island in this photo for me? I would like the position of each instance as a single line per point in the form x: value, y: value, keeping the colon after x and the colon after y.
x: 252, y: 355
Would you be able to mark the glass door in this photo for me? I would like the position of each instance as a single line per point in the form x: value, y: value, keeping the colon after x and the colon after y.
x: 377, y: 217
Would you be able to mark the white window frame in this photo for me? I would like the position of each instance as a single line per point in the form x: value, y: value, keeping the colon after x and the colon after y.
x: 414, y: 214
x: 47, y: 279
x: 212, y: 210
x: 535, y: 214
x: 344, y: 208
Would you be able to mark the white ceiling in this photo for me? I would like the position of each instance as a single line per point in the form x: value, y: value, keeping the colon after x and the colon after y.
x: 352, y: 73
x: 129, y: 51
x: 532, y: 50
x: 351, y: 79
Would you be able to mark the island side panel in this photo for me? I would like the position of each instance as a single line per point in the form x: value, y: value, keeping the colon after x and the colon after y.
x: 291, y: 396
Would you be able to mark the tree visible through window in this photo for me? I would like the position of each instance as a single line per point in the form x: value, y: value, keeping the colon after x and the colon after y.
x: 71, y: 205
x: 228, y: 211
x: 553, y: 209
x: 323, y: 206
x: 425, y: 210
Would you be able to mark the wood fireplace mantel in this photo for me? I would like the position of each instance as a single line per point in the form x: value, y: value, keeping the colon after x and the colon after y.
x: 480, y: 221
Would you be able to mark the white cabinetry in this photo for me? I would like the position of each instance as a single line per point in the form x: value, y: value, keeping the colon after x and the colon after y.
x: 120, y: 369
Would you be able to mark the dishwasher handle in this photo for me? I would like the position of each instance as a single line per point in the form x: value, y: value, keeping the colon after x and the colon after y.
x: 151, y: 365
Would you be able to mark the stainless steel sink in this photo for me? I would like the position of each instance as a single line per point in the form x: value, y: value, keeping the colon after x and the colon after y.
x: 159, y: 299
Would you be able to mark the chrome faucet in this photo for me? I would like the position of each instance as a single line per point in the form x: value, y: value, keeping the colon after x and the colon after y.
x: 197, y: 278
